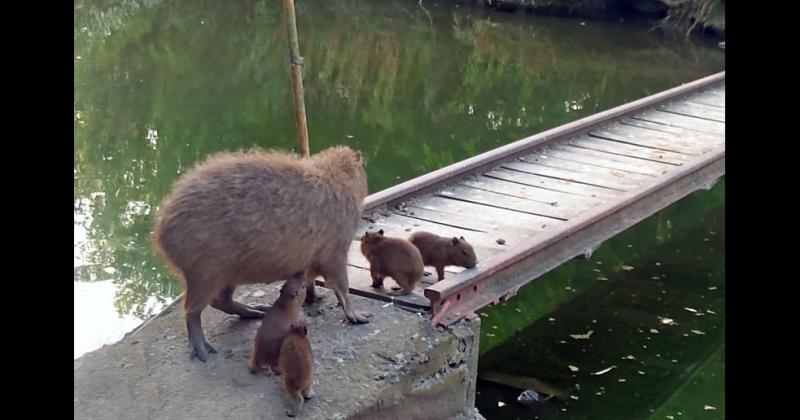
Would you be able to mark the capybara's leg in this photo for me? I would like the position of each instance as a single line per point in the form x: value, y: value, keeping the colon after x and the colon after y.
x: 295, y: 403
x: 225, y: 303
x: 440, y: 272
x: 311, y: 292
x: 197, y: 339
x: 337, y: 280
x: 377, y: 278
x: 309, y: 393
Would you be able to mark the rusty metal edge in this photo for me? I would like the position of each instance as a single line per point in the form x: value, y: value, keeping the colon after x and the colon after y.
x: 470, y: 280
x: 459, y: 170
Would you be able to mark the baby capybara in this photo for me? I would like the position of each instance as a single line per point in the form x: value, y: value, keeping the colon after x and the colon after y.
x: 392, y: 257
x: 275, y: 326
x: 259, y: 217
x: 296, y: 363
x: 438, y: 251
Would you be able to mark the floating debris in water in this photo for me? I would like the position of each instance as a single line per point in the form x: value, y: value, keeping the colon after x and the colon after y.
x: 709, y: 407
x: 530, y: 396
x: 490, y: 335
x: 501, y: 404
x: 670, y: 417
x: 596, y: 270
x: 621, y: 379
x: 602, y: 279
x: 640, y: 372
x: 627, y: 268
x: 653, y: 331
x: 698, y: 332
x: 709, y: 311
x: 582, y: 336
x: 712, y: 288
x: 667, y: 321
x: 691, y: 310
x: 604, y: 371
x: 658, y: 264
x: 629, y: 357
x: 573, y: 368
x: 518, y: 310
x: 551, y: 319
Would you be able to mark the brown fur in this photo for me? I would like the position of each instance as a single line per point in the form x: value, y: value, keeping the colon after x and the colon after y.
x: 276, y: 324
x: 392, y: 257
x: 259, y: 217
x: 296, y: 362
x: 438, y: 251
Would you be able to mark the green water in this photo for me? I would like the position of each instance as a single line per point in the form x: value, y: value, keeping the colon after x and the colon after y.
x: 159, y: 85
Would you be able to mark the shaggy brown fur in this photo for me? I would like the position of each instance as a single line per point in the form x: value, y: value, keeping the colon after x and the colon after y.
x: 392, y: 257
x: 438, y: 251
x: 297, y: 365
x: 259, y: 217
x: 276, y: 324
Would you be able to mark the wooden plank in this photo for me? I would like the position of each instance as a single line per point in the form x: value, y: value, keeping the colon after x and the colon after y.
x: 625, y: 149
x: 488, y: 198
x: 491, y: 159
x: 552, y: 184
x: 692, y: 110
x: 610, y: 161
x: 447, y: 219
x: 599, y: 178
x: 704, y: 106
x: 530, y: 193
x: 502, y: 217
x: 682, y: 121
x: 710, y: 98
x: 400, y: 226
x: 700, y: 138
x: 488, y: 227
x: 646, y: 137
x: 547, y: 158
x: 360, y: 282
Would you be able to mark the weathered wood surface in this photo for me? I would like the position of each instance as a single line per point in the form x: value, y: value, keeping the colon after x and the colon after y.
x: 521, y: 197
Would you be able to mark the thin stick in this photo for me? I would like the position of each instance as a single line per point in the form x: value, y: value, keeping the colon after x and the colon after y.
x: 296, y: 65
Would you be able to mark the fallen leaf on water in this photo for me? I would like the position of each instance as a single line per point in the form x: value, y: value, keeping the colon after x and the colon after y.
x: 602, y: 279
x: 653, y: 330
x: 582, y: 336
x: 627, y: 268
x: 712, y: 288
x: 709, y: 407
x: 640, y: 372
x: 698, y: 332
x: 604, y: 371
x: 573, y: 368
x: 629, y: 357
x: 621, y: 379
x: 691, y: 309
x: 709, y: 311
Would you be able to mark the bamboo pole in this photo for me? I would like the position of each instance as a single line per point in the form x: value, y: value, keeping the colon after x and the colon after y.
x: 296, y: 65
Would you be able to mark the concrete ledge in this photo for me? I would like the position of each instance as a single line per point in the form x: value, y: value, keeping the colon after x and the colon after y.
x: 396, y: 367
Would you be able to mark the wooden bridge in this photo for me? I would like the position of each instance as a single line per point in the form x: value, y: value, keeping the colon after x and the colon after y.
x: 534, y: 204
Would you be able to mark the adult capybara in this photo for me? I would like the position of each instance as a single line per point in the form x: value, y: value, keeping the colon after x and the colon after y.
x: 438, y: 251
x: 296, y: 363
x: 259, y: 217
x: 392, y: 257
x: 275, y: 326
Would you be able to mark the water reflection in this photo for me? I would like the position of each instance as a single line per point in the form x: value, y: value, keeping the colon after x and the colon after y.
x: 158, y: 86
x: 654, y: 299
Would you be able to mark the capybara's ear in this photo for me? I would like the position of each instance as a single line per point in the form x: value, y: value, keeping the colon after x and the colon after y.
x: 381, y: 232
x: 359, y: 156
x: 455, y: 241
